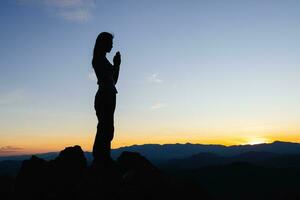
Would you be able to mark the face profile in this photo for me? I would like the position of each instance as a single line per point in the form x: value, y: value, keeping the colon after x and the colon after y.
x: 110, y: 46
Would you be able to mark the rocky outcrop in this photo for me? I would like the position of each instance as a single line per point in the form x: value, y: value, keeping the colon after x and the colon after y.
x: 68, y: 176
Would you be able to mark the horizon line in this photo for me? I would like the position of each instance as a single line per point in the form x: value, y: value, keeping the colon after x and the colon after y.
x: 39, y: 153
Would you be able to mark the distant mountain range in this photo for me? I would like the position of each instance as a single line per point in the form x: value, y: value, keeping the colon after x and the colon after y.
x: 260, y: 172
x: 188, y: 156
x: 162, y: 153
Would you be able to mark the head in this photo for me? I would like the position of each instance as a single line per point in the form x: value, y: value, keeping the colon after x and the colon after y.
x: 104, y: 43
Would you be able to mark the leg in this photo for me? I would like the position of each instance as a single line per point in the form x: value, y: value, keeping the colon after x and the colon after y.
x: 105, y: 106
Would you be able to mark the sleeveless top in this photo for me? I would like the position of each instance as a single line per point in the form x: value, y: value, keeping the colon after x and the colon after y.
x: 105, y: 73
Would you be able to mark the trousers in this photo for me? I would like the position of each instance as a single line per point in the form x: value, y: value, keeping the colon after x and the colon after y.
x: 105, y: 104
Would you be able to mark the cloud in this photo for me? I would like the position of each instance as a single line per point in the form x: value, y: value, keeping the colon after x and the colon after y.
x: 13, y: 96
x: 70, y: 10
x: 154, y: 78
x: 9, y: 149
x: 76, y: 15
x: 158, y: 105
x: 92, y: 76
x: 67, y: 3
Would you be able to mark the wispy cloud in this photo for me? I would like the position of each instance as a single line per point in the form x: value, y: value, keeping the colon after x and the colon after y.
x: 9, y: 149
x: 76, y: 15
x: 70, y: 10
x: 67, y: 3
x: 158, y: 105
x: 153, y: 78
x: 13, y: 96
x: 92, y: 76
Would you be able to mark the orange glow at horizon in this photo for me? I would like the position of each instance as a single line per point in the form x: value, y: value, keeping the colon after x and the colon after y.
x: 51, y: 145
x: 33, y: 142
x: 257, y: 140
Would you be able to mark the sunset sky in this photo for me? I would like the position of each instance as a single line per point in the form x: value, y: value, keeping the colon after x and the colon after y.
x: 219, y: 72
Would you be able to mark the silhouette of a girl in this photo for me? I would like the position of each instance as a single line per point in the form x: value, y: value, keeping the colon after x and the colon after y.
x: 105, y: 99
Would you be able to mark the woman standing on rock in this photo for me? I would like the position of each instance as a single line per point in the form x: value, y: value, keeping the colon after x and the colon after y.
x: 105, y: 99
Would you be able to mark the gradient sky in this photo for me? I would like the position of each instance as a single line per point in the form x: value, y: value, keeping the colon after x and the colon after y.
x: 224, y: 72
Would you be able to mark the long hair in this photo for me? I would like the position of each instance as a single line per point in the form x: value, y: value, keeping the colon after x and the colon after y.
x: 101, y: 41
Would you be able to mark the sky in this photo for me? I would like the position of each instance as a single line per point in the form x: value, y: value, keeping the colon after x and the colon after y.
x: 209, y: 71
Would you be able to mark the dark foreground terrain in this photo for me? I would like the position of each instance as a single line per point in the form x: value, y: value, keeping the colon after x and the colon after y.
x: 69, y: 176
x: 255, y: 175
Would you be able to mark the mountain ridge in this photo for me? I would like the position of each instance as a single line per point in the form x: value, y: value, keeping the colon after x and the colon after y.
x: 162, y: 152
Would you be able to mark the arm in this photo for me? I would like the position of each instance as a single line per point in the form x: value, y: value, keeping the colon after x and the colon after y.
x: 117, y: 63
x: 116, y: 73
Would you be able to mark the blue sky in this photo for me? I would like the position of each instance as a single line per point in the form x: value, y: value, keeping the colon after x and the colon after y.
x: 192, y: 71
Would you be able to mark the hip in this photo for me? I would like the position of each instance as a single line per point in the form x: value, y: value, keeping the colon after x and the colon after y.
x: 105, y: 99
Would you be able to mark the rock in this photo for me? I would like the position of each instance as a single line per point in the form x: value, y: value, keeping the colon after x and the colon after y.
x: 31, y: 182
x: 137, y: 169
x: 134, y: 161
x: 71, y: 158
x: 141, y: 179
x: 56, y: 179
x: 67, y: 173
